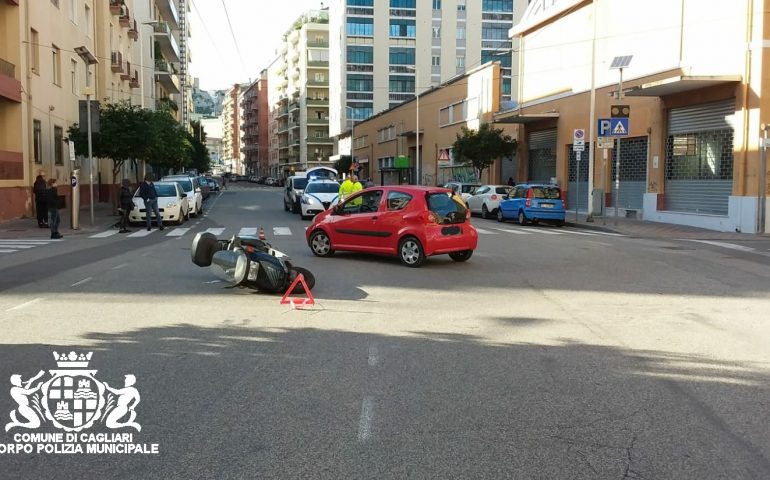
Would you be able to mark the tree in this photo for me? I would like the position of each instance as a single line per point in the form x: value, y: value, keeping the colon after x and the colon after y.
x: 200, y: 159
x: 480, y: 148
x: 342, y: 165
x: 170, y: 146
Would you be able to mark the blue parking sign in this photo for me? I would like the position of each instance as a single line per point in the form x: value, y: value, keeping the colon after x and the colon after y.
x: 613, y: 127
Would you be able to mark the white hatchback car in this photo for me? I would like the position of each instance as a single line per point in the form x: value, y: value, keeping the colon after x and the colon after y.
x: 465, y: 190
x: 193, y: 190
x: 486, y: 199
x: 172, y: 204
x: 317, y: 197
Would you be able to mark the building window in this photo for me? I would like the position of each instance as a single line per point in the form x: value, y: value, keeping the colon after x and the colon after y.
x: 360, y: 83
x: 435, y: 60
x: 74, y: 76
x: 436, y: 4
x: 505, y: 6
x: 360, y: 3
x: 360, y: 111
x: 436, y: 32
x: 461, y: 33
x: 403, y: 4
x: 58, y: 146
x: 37, y: 140
x: 495, y: 31
x: 56, y: 64
x: 360, y: 27
x: 401, y: 84
x: 403, y: 28
x: 35, y: 48
x: 74, y: 11
x: 461, y: 5
x: 360, y: 54
x: 460, y: 64
x: 87, y: 20
x: 401, y: 56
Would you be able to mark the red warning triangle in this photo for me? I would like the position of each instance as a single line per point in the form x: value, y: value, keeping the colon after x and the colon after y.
x: 298, y: 302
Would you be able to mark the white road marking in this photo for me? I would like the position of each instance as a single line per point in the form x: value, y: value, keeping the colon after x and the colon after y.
x: 281, y: 231
x: 215, y: 231
x: 25, y: 304
x: 517, y: 232
x: 85, y: 280
x: 41, y: 241
x: 485, y: 232
x: 118, y: 267
x: 609, y: 234
x: 575, y: 232
x: 105, y: 234
x: 731, y: 246
x: 8, y: 251
x: 247, y: 231
x: 141, y: 233
x: 540, y: 230
x: 374, y: 356
x: 212, y: 281
x: 365, y: 423
x: 14, y: 245
x: 177, y: 232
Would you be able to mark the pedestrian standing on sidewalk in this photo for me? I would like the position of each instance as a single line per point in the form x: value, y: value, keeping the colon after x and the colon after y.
x: 150, y: 196
x: 126, y: 204
x: 52, y: 200
x: 41, y: 208
x: 224, y: 182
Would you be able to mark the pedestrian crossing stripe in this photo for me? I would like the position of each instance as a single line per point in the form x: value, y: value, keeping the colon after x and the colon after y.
x: 177, y: 232
x: 215, y: 231
x: 105, y: 234
x: 11, y: 245
x: 485, y: 232
x: 141, y: 233
x: 515, y: 232
x: 281, y: 231
x: 245, y: 232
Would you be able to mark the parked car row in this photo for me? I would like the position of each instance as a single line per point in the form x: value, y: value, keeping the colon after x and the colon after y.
x: 179, y: 197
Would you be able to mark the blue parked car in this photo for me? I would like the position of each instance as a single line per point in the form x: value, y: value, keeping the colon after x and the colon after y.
x: 529, y: 202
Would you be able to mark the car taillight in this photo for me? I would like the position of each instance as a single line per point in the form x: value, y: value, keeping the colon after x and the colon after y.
x: 493, y: 197
x: 529, y: 198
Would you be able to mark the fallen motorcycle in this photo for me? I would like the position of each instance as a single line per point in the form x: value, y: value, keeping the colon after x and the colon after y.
x: 248, y: 262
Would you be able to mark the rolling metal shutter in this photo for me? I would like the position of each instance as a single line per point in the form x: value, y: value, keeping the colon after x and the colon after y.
x: 542, y: 155
x: 633, y: 173
x: 699, y: 158
x: 574, y: 179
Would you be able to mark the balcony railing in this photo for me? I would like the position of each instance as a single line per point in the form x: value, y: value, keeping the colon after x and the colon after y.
x: 116, y: 7
x: 317, y: 44
x: 116, y: 62
x: 317, y: 121
x: 125, y: 18
x: 134, y: 82
x: 166, y: 104
x: 318, y: 83
x: 320, y: 156
x: 133, y: 32
x: 317, y: 102
x: 318, y: 63
x: 319, y: 140
x: 126, y: 74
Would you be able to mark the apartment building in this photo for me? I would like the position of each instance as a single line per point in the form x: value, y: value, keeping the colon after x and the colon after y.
x: 385, y: 145
x: 391, y: 49
x: 300, y: 114
x: 254, y: 139
x: 232, y: 118
x: 693, y: 94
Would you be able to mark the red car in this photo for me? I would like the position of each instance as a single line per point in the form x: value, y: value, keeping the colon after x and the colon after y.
x: 408, y: 221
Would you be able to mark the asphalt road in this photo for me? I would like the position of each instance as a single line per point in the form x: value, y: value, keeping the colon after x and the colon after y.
x: 552, y: 353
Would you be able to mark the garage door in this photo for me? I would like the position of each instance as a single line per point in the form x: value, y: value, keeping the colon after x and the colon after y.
x: 542, y: 156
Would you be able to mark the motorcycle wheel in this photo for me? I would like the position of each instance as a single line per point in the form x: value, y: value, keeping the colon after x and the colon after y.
x: 309, y: 278
x: 203, y: 248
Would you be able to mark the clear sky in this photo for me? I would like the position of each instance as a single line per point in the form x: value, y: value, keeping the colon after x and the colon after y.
x: 258, y: 26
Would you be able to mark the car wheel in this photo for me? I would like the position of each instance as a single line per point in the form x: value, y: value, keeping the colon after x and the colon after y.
x: 484, y: 211
x: 295, y: 207
x: 193, y: 213
x: 285, y: 205
x: 522, y: 218
x: 309, y: 278
x: 559, y: 223
x: 410, y: 252
x: 461, y: 256
x: 500, y: 217
x: 320, y: 244
x: 187, y: 215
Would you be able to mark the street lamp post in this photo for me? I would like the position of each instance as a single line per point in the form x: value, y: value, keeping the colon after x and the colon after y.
x: 352, y: 136
x: 417, y: 122
x: 619, y: 63
x: 89, y: 59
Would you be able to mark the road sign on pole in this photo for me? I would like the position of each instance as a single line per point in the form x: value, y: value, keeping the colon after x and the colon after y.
x: 579, y: 137
x: 577, y: 184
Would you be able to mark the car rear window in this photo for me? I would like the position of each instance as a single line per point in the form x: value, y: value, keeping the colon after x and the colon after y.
x: 300, y: 183
x: 322, y: 187
x: 551, y: 193
x: 469, y: 189
x: 503, y: 190
x: 446, y: 207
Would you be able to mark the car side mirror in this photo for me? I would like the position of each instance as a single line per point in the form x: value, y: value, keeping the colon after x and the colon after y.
x: 184, y: 195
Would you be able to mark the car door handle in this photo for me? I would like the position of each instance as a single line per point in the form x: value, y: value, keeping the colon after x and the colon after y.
x: 374, y: 218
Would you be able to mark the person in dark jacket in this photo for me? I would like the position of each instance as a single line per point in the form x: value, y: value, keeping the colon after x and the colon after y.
x: 126, y: 205
x: 150, y: 196
x: 41, y: 209
x: 52, y: 200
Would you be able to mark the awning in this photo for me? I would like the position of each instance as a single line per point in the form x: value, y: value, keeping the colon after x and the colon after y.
x: 410, y: 133
x: 678, y: 84
x: 516, y: 117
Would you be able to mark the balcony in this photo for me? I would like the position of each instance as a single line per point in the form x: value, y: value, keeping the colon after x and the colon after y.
x: 165, y: 38
x: 319, y: 141
x: 319, y: 122
x: 134, y: 81
x: 168, y: 11
x: 317, y: 102
x: 318, y: 83
x: 125, y: 17
x: 166, y: 104
x: 116, y: 62
x: 126, y: 74
x: 318, y: 63
x: 322, y: 44
x: 116, y: 7
x: 133, y: 32
x: 165, y: 74
x: 294, y: 105
x: 10, y: 88
x: 321, y: 156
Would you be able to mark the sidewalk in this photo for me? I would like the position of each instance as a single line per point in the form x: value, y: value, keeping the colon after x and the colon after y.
x: 27, y: 227
x: 645, y: 229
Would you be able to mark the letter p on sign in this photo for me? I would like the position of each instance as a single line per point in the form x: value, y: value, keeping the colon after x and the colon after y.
x: 605, y: 127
